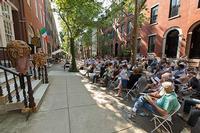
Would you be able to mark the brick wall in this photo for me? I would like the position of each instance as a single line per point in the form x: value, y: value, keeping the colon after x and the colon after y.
x: 188, y: 15
x: 31, y: 17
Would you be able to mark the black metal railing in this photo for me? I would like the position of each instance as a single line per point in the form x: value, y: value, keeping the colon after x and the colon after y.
x: 27, y: 102
x: 4, y: 61
x: 40, y: 73
x: 25, y: 87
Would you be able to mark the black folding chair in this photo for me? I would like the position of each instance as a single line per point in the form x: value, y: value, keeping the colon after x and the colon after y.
x: 137, y: 88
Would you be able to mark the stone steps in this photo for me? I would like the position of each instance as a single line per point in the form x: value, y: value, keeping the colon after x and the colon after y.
x: 6, y: 106
x: 38, y: 94
x: 39, y: 91
x: 35, y: 85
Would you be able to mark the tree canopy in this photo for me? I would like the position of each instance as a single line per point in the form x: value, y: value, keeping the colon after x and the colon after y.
x: 77, y: 16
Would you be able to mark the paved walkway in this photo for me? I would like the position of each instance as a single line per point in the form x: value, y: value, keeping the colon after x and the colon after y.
x: 72, y: 105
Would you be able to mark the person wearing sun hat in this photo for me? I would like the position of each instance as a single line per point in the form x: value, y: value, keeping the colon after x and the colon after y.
x: 163, y: 106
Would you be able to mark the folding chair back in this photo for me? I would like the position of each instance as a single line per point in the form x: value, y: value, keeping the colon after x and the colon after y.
x: 131, y: 91
x: 164, y: 120
x: 137, y: 88
x: 140, y: 86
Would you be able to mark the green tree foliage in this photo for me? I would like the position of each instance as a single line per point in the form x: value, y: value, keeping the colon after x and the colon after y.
x: 120, y: 10
x: 76, y: 16
x: 87, y: 41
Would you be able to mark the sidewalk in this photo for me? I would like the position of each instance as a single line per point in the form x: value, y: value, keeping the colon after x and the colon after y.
x: 68, y: 107
x: 72, y: 105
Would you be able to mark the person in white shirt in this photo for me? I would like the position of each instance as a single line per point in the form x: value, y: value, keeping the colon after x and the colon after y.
x: 123, y: 79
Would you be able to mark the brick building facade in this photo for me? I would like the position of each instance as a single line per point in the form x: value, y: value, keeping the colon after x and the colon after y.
x: 173, y: 28
x: 53, y: 41
x: 119, y: 38
x: 34, y: 19
x: 23, y: 20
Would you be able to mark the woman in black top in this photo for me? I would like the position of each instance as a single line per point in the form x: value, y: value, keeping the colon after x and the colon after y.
x: 137, y: 73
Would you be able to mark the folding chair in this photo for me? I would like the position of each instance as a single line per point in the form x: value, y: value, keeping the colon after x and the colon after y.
x: 130, y: 91
x: 162, y: 120
x: 137, y: 88
x: 112, y: 83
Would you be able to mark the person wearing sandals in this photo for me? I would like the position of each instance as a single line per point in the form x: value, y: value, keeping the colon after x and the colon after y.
x: 163, y: 106
x: 123, y: 80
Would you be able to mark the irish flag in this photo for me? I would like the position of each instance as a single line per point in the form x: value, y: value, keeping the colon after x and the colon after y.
x: 43, y: 32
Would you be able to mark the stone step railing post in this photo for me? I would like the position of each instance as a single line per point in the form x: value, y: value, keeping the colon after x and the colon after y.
x: 30, y: 92
x: 22, y: 84
x: 46, y: 74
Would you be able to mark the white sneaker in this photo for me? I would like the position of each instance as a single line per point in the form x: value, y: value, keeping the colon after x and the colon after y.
x: 186, y: 130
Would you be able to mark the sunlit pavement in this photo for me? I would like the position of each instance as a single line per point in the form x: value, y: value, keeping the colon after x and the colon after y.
x: 73, y: 105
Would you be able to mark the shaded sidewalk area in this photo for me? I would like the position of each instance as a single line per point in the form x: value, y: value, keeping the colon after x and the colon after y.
x: 72, y: 105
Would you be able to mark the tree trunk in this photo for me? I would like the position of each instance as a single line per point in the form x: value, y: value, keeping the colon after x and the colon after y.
x: 73, y: 67
x: 134, y: 35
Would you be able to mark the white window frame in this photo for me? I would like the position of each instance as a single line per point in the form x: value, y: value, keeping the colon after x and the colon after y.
x: 151, y: 35
x: 171, y: 8
x: 10, y: 28
x: 157, y: 5
x: 36, y: 8
x: 29, y: 2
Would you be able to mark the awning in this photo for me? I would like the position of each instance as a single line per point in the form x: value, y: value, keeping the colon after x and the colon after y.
x: 57, y: 51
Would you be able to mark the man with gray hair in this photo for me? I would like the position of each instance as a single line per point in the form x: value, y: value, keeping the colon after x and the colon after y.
x: 164, y: 105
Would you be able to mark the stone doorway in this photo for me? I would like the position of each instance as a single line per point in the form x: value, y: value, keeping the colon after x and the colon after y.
x: 172, y: 42
x: 194, y: 52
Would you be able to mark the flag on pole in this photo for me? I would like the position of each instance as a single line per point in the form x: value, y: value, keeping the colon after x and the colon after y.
x: 43, y: 32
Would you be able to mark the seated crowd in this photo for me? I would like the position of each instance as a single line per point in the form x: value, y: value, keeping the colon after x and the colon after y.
x: 168, y: 84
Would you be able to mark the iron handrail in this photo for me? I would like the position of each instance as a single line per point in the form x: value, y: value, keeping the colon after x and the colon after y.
x: 8, y: 70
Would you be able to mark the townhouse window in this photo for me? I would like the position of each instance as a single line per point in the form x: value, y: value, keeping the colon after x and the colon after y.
x: 199, y: 4
x: 151, y: 43
x: 138, y: 45
x: 7, y: 22
x: 174, y: 8
x: 130, y: 27
x: 154, y: 14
